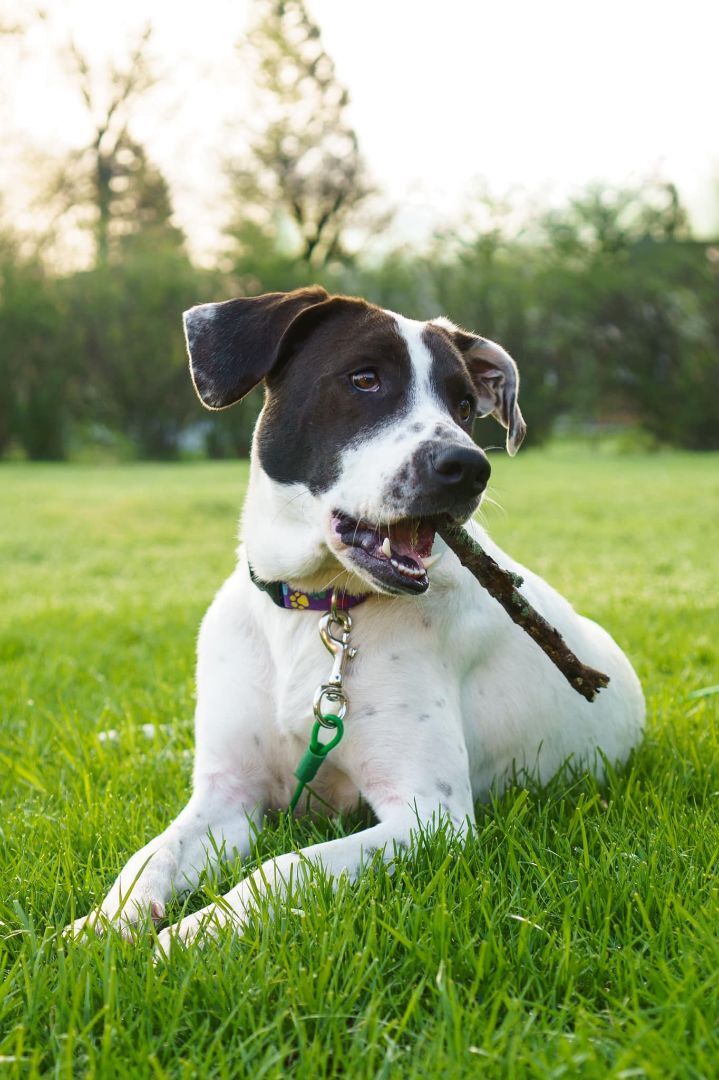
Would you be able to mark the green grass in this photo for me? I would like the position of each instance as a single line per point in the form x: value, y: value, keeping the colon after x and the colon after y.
x: 575, y: 933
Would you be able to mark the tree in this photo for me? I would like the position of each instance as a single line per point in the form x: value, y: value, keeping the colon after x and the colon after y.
x: 141, y: 205
x: 127, y: 317
x: 606, y: 223
x: 110, y: 183
x: 124, y: 311
x: 8, y: 378
x: 39, y: 366
x: 305, y: 161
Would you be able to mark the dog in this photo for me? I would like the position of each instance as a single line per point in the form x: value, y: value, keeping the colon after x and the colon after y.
x: 365, y: 436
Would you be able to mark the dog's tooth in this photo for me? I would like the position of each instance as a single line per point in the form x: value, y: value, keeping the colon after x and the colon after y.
x: 387, y: 547
x: 432, y: 559
x: 407, y: 571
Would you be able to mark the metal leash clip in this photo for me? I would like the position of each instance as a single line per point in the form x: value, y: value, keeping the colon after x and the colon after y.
x: 331, y: 698
x: 330, y: 703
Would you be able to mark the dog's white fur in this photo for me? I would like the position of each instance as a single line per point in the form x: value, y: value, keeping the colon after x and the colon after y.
x: 449, y: 698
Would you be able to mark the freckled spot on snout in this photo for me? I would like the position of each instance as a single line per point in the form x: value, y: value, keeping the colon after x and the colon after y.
x: 370, y: 711
x: 394, y: 657
x: 416, y: 427
x: 440, y: 702
x: 444, y: 788
x: 423, y: 717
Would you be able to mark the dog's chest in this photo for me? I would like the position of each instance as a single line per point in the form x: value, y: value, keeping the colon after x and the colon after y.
x: 299, y: 664
x: 404, y: 653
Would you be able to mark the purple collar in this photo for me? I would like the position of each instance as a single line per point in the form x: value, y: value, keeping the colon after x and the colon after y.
x: 281, y: 594
x: 317, y: 601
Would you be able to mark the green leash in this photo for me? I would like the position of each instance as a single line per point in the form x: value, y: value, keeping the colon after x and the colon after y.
x: 335, y: 628
x: 315, y: 754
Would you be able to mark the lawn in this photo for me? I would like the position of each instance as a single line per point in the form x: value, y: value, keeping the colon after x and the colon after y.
x: 576, y: 932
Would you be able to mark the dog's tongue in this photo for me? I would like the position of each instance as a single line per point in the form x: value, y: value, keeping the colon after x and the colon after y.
x: 412, y: 538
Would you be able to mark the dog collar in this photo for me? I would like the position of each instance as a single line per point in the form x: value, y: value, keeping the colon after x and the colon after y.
x: 284, y: 596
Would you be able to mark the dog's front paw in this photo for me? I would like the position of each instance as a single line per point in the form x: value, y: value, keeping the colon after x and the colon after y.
x: 179, y: 936
x: 197, y: 929
x: 131, y: 919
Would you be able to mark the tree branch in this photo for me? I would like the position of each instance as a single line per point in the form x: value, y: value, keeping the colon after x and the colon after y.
x: 504, y: 587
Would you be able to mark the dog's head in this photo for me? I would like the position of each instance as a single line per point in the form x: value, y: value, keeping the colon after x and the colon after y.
x: 367, y: 424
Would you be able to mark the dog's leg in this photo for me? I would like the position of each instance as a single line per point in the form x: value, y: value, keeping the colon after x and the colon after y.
x: 230, y: 789
x: 402, y: 817
x: 217, y: 823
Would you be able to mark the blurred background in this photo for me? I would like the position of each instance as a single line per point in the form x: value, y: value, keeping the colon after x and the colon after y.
x: 547, y: 175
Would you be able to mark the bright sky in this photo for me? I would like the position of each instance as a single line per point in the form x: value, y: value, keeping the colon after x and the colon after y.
x: 533, y: 97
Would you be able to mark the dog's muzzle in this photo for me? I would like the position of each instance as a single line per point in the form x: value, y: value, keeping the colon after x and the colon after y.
x: 395, y: 556
x: 441, y: 479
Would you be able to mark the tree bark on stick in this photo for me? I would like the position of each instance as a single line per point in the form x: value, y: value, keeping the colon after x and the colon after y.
x: 504, y: 587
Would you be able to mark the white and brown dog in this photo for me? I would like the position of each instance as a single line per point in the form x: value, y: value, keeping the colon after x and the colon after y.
x: 365, y: 436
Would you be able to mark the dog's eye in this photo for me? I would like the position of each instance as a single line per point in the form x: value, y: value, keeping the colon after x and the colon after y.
x: 465, y: 410
x: 365, y: 380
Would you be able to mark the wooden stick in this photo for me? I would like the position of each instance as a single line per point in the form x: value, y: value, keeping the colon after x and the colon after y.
x: 504, y: 587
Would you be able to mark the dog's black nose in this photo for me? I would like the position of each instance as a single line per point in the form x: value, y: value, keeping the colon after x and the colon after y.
x: 462, y: 468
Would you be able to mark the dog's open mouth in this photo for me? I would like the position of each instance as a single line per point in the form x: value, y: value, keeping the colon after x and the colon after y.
x: 397, y: 555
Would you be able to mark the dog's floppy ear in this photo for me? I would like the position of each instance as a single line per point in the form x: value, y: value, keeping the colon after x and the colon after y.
x: 496, y: 379
x: 234, y: 344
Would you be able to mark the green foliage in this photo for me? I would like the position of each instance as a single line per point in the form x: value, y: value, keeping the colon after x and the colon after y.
x: 609, y: 307
x: 39, y: 361
x: 575, y: 933
x: 665, y: 304
x: 608, y: 303
x: 229, y: 433
x: 140, y: 205
x: 610, y: 326
x: 127, y: 319
x: 603, y: 222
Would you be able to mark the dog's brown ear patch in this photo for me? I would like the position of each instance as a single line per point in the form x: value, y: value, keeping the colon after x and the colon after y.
x: 496, y: 380
x: 233, y: 345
